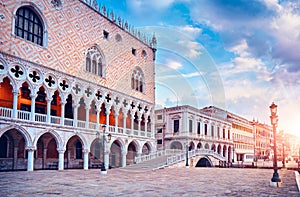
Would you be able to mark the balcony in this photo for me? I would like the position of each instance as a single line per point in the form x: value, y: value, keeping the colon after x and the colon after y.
x: 25, y: 117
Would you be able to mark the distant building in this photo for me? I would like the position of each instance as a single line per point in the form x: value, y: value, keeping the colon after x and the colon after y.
x: 66, y: 69
x: 181, y: 126
x: 263, y: 136
x: 242, y: 134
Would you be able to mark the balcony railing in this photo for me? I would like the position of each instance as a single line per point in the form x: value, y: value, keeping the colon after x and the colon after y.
x: 7, y: 113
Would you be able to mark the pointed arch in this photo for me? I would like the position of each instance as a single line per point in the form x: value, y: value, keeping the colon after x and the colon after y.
x: 57, y: 137
x: 95, y: 61
x: 138, y: 79
x: 28, y: 138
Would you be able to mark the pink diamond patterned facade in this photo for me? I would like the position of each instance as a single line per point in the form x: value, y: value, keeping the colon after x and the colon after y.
x: 118, y: 93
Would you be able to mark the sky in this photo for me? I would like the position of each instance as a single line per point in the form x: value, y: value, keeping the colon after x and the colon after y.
x: 238, y: 55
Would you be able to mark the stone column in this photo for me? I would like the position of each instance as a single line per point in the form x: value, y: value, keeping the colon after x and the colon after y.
x: 107, y: 108
x: 138, y: 154
x: 30, y: 160
x: 139, y: 123
x: 32, y: 113
x: 15, y: 104
x: 146, y: 125
x: 124, y: 120
x: 61, y: 159
x: 48, y: 117
x: 62, y: 116
x: 116, y: 120
x: 184, y: 123
x: 45, y: 158
x: 86, y: 159
x: 98, y: 116
x: 124, y: 153
x: 75, y: 114
x: 152, y: 126
x: 132, y: 121
x: 106, y: 158
x: 195, y: 126
x: 87, y: 115
x: 15, y: 157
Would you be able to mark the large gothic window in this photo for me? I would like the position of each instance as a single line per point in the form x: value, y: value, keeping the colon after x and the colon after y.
x: 137, y: 80
x: 28, y: 25
x: 94, y: 62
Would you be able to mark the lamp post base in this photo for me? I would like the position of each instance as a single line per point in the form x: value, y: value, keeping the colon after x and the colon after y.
x: 103, y: 172
x: 275, y: 181
x: 275, y: 184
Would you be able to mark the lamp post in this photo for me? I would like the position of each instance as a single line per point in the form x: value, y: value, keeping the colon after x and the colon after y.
x: 233, y: 155
x: 275, y: 181
x: 103, y: 169
x: 283, y: 154
x: 187, y: 155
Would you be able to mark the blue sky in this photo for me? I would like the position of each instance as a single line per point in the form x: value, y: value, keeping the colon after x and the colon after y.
x: 239, y: 55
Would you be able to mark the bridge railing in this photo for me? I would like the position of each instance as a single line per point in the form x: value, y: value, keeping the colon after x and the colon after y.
x: 182, y: 156
x: 156, y: 154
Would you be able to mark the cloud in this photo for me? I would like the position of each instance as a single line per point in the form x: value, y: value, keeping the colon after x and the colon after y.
x: 192, y: 32
x: 174, y: 65
x: 156, y: 4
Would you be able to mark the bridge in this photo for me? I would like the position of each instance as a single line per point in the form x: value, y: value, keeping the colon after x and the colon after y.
x: 169, y: 157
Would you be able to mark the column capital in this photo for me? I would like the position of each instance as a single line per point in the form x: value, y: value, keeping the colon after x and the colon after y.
x: 85, y: 151
x: 30, y: 148
x: 124, y: 152
x: 61, y: 151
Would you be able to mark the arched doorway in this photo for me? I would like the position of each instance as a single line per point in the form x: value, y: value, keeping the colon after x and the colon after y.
x: 219, y: 149
x: 146, y: 149
x: 73, y: 154
x: 115, y: 156
x: 131, y: 153
x: 191, y: 146
x: 199, y: 145
x: 46, y: 152
x: 96, y: 154
x: 204, y: 162
x: 13, y: 155
x: 176, y: 145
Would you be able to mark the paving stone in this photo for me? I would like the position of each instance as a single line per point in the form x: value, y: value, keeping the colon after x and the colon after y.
x: 162, y: 182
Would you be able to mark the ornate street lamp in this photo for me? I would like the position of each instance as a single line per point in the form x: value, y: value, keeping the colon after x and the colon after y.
x: 275, y: 181
x: 187, y: 155
x: 233, y: 155
x: 283, y: 153
x: 103, y: 169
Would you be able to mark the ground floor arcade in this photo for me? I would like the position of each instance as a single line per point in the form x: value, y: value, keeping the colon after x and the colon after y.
x: 29, y: 148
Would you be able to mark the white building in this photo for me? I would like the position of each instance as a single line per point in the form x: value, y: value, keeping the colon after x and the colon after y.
x: 177, y: 127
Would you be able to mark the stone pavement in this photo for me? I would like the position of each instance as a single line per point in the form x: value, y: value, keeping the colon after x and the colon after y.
x: 162, y: 182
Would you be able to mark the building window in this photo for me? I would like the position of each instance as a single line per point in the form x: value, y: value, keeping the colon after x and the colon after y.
x: 190, y: 126
x: 176, y: 126
x: 94, y: 62
x: 159, y: 141
x: 144, y: 54
x: 224, y: 136
x: 229, y: 134
x: 205, y: 129
x: 212, y: 131
x: 159, y: 117
x: 138, y: 80
x: 28, y: 25
x: 198, y: 128
x: 105, y: 34
x: 133, y: 51
x: 159, y: 130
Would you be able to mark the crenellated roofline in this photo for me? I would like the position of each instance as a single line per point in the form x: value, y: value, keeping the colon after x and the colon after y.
x: 124, y: 25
